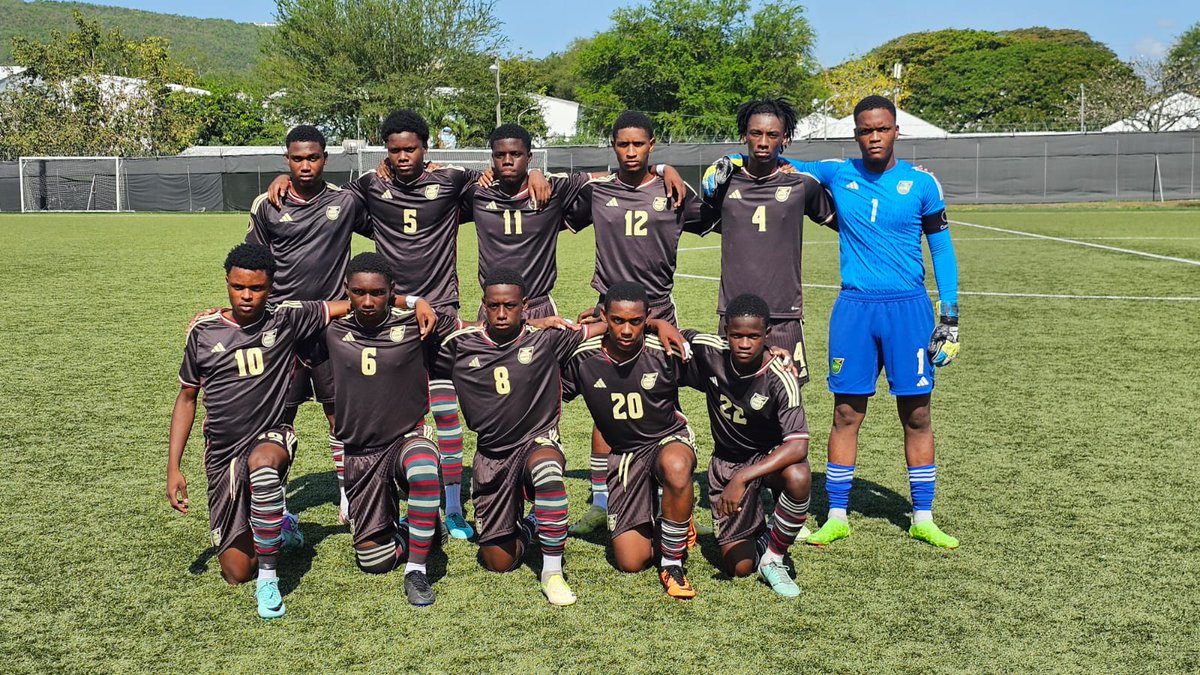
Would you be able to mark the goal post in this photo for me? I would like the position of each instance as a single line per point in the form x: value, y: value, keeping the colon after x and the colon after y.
x: 71, y: 184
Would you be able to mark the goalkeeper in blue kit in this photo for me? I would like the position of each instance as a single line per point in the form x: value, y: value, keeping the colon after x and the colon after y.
x: 882, y: 317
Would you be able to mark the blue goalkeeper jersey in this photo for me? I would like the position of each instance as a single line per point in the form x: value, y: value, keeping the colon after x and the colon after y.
x: 880, y: 221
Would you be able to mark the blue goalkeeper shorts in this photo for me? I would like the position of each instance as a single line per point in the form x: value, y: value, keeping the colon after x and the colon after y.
x: 870, y: 331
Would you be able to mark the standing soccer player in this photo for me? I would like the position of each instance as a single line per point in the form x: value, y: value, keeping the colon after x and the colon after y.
x: 309, y: 237
x: 883, y: 315
x: 380, y: 364
x: 631, y: 384
x: 242, y: 358
x: 762, y: 210
x: 760, y: 439
x: 637, y: 231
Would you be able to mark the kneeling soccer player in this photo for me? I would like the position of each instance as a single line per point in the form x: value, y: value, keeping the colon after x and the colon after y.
x: 507, y: 375
x: 630, y: 384
x: 379, y: 366
x: 760, y: 437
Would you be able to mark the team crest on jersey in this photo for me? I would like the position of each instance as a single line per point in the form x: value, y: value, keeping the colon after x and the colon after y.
x: 525, y: 355
x: 648, y: 381
x: 396, y: 334
x: 612, y: 521
x: 782, y: 193
x: 757, y: 401
x: 215, y: 536
x: 904, y: 186
x: 431, y: 192
x: 332, y: 212
x: 836, y: 365
x: 268, y: 338
x: 660, y: 204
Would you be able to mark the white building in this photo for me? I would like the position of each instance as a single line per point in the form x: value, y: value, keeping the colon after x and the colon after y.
x: 561, y: 115
x: 1177, y: 112
x: 910, y: 125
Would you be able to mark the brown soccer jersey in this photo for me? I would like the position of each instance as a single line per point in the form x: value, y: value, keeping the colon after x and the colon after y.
x: 244, y: 372
x: 513, y: 234
x: 749, y: 414
x: 381, y: 375
x: 508, y: 392
x: 632, y: 403
x: 310, y: 241
x: 761, y: 229
x: 415, y: 226
x: 637, y: 232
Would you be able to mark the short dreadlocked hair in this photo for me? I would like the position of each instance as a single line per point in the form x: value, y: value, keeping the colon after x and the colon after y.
x: 779, y: 107
x: 504, y: 276
x: 626, y: 291
x: 370, y: 263
x: 251, y: 257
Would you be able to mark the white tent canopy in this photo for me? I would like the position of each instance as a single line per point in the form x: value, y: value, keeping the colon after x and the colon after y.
x: 1177, y: 112
x: 911, y: 126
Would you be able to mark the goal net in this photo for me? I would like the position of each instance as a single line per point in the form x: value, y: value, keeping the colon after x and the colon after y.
x: 71, y: 184
x: 477, y: 158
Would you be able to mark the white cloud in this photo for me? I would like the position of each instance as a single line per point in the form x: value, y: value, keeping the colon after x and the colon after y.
x: 1165, y: 23
x: 1151, y: 47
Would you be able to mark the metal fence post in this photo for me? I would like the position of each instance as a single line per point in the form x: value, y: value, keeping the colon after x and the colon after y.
x: 1117, y: 171
x: 976, y: 171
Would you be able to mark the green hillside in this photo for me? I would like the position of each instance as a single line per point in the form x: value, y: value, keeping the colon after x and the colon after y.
x: 211, y: 47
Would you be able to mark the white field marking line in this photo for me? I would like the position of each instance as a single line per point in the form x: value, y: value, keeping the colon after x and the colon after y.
x: 994, y: 294
x: 1076, y: 242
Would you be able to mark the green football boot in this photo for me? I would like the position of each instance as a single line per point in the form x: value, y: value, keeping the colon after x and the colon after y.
x: 270, y: 602
x: 831, y: 531
x: 595, y: 518
x: 928, y: 531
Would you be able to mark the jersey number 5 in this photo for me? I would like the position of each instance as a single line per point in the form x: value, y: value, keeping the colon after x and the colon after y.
x: 410, y: 221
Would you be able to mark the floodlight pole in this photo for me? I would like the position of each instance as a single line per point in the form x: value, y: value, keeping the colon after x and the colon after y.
x: 495, y: 68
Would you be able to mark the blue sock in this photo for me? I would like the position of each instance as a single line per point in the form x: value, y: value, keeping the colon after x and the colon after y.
x: 837, y: 485
x: 921, y: 482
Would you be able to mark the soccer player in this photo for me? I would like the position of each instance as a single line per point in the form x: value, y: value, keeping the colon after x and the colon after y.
x: 508, y: 381
x: 415, y: 215
x: 630, y: 384
x: 762, y: 209
x: 309, y: 236
x: 760, y: 439
x: 637, y: 239
x: 376, y: 356
x: 242, y: 358
x: 883, y: 316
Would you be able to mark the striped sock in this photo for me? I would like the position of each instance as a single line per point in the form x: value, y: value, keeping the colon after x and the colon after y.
x: 443, y: 403
x: 838, y: 478
x: 550, y: 511
x: 338, y: 450
x: 673, y: 540
x: 598, y: 465
x: 378, y: 559
x: 785, y: 526
x: 421, y: 472
x: 266, y: 515
x: 921, y: 483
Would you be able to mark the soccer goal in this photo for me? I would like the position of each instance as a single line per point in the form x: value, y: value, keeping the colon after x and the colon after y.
x: 475, y: 158
x: 70, y: 184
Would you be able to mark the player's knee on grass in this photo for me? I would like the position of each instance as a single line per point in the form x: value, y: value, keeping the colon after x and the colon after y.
x: 676, y: 463
x: 376, y: 558
x: 239, y: 563
x: 797, y: 480
x: 739, y: 558
x: 633, y: 550
x: 501, y: 556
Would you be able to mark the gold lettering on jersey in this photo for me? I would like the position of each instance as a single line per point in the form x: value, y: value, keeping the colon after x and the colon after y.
x: 431, y: 192
x: 782, y: 193
x: 396, y: 334
x: 268, y: 338
x: 757, y: 401
x: 904, y: 186
x: 525, y: 355
x: 287, y: 218
x: 648, y: 380
x: 387, y: 194
x: 660, y: 204
x: 332, y: 212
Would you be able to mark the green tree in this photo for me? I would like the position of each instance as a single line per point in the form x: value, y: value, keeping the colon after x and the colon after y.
x: 1182, y: 64
x: 93, y: 91
x: 229, y: 117
x: 346, y: 64
x: 690, y: 63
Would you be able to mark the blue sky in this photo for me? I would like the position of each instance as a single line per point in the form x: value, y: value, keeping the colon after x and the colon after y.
x: 1131, y: 29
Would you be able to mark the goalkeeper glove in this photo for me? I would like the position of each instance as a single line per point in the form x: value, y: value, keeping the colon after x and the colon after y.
x: 943, y: 344
x: 718, y: 174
